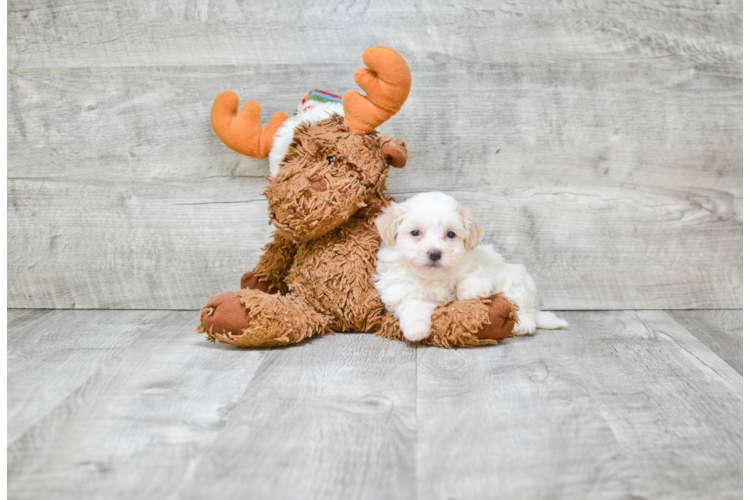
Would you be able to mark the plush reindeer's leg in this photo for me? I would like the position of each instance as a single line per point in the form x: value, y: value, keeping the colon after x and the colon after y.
x: 465, y: 323
x: 252, y: 282
x: 503, y: 318
x: 252, y: 318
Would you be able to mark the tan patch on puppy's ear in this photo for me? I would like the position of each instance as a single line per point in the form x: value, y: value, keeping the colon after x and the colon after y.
x: 474, y: 231
x: 388, y: 222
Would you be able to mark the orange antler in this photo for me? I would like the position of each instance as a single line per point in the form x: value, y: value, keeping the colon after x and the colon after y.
x: 244, y: 133
x: 386, y: 81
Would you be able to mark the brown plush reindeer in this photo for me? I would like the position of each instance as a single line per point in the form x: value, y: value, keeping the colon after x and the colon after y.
x: 328, y: 171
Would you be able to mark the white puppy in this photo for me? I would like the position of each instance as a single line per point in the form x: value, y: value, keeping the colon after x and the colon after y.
x: 431, y: 254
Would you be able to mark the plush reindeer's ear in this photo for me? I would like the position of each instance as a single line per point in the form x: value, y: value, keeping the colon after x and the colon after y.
x: 474, y: 231
x: 388, y: 222
x: 394, y: 151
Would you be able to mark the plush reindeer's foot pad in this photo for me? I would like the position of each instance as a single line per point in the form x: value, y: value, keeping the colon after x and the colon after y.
x: 503, y: 318
x: 252, y: 318
x: 460, y: 323
x: 225, y: 315
x: 250, y: 281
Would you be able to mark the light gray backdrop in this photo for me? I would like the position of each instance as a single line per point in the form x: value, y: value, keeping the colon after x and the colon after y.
x: 599, y: 143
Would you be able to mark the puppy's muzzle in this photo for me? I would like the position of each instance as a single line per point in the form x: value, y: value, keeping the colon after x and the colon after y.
x: 434, y: 254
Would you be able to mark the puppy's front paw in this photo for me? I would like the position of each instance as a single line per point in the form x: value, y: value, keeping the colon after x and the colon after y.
x: 415, y: 329
x: 474, y: 288
x: 524, y: 326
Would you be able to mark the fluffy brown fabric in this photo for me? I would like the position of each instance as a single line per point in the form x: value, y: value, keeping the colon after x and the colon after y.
x: 324, y: 250
x: 323, y: 254
x: 275, y: 262
x: 274, y: 320
x: 456, y: 323
x: 352, y: 166
x: 251, y: 281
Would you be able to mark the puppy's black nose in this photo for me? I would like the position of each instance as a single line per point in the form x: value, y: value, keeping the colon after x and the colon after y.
x: 434, y: 254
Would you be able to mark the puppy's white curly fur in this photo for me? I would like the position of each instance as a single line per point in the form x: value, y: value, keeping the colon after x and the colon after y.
x: 474, y: 287
x: 431, y: 253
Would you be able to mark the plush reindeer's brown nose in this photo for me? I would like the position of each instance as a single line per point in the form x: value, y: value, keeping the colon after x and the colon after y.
x: 435, y: 254
x: 318, y: 184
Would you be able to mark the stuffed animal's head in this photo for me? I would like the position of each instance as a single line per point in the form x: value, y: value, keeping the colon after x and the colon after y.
x: 327, y: 162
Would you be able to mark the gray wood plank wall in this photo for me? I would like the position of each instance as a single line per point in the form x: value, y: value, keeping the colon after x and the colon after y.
x: 599, y: 143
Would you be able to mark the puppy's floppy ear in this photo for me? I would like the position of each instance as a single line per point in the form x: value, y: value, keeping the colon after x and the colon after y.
x: 387, y: 223
x: 474, y: 231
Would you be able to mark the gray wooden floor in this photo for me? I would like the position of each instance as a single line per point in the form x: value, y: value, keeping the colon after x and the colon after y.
x: 129, y: 404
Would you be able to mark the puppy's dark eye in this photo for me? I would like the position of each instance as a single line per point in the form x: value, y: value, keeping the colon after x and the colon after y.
x: 415, y: 233
x: 331, y: 159
x: 451, y: 234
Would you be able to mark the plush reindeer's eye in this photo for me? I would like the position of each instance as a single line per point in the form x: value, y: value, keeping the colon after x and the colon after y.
x: 415, y: 233
x: 331, y: 159
x: 451, y: 234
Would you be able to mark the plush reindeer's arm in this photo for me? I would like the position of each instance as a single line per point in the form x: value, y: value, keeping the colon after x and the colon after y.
x: 465, y: 323
x: 272, y: 267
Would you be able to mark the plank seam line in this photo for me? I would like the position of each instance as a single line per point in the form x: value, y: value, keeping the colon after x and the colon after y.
x: 74, y: 392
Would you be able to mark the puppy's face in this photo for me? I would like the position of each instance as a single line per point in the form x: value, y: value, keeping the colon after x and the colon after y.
x: 431, y: 233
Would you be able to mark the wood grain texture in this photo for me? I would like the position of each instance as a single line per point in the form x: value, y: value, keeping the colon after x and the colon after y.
x: 517, y: 422
x: 140, y: 245
x: 625, y: 404
x: 621, y: 405
x: 54, y: 355
x: 135, y: 425
x: 600, y: 144
x: 333, y: 418
x: 226, y: 32
x: 720, y: 331
x: 745, y: 39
